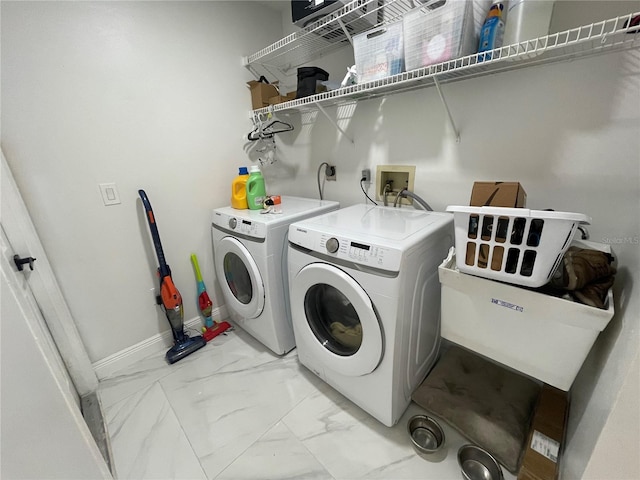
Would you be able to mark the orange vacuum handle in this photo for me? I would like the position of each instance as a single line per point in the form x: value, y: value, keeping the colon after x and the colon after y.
x: 171, y: 298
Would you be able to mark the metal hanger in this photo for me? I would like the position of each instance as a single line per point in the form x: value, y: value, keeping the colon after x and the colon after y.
x: 261, y: 131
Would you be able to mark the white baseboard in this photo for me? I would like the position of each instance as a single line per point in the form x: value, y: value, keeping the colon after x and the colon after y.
x: 108, y: 366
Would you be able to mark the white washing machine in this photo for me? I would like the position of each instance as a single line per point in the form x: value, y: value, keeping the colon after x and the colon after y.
x: 365, y: 301
x: 250, y: 255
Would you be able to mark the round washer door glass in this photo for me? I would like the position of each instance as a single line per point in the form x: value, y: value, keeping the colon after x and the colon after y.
x: 336, y: 320
x: 243, y: 289
x: 238, y: 278
x: 332, y: 319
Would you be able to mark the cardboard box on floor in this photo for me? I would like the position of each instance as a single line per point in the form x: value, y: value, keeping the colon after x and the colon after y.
x: 498, y: 194
x: 261, y: 93
x: 545, y: 445
x: 494, y: 194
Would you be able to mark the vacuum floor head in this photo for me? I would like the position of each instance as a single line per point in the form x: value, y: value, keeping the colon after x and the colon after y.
x: 185, y: 347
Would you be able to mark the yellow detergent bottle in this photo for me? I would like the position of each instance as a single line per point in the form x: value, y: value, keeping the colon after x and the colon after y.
x: 239, y: 190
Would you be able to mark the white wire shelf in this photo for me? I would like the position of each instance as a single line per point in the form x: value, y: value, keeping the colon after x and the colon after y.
x: 593, y: 39
x: 328, y: 34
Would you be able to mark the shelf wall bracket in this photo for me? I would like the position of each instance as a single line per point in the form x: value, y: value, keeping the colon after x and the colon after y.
x: 446, y: 107
x: 346, y: 32
x: 333, y: 122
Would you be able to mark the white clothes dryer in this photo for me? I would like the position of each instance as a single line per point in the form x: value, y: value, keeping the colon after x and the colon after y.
x: 250, y: 256
x: 365, y: 301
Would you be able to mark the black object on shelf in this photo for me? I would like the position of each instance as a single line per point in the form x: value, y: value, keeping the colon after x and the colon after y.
x: 308, y: 77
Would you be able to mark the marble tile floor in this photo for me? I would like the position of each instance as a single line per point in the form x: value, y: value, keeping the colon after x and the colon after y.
x: 234, y: 410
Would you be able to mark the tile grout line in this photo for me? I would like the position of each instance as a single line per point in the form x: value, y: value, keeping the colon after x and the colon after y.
x: 173, y: 411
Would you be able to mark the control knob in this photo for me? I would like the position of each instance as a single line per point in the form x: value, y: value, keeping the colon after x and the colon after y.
x: 332, y: 245
x: 233, y: 222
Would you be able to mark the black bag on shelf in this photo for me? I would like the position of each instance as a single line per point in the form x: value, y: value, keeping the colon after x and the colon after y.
x: 308, y: 77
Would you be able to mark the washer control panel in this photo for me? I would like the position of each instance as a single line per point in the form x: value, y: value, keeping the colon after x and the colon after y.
x: 238, y: 224
x: 348, y: 249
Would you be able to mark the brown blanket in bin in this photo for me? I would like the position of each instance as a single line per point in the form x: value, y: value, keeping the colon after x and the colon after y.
x: 488, y: 404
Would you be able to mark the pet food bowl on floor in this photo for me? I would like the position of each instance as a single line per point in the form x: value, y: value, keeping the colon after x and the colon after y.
x: 478, y: 464
x: 427, y: 438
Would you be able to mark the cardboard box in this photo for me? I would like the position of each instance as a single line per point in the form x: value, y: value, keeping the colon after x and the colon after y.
x: 498, y: 194
x: 261, y: 93
x: 495, y: 194
x: 544, y: 448
x: 282, y: 98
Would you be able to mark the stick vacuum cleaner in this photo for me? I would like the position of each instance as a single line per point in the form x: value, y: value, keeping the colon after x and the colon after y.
x: 170, y: 298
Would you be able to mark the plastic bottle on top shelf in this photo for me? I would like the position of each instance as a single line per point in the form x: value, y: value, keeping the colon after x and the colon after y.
x: 256, y: 191
x: 492, y: 32
x: 239, y: 190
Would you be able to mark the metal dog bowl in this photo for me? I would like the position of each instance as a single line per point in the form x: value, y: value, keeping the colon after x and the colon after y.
x: 478, y: 464
x: 427, y: 438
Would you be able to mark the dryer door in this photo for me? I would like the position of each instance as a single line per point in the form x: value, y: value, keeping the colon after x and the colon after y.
x: 342, y: 329
x: 242, y: 287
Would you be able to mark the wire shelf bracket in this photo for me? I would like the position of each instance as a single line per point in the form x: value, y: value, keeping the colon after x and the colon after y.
x: 334, y: 123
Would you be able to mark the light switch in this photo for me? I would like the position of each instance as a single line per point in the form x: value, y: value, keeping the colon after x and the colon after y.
x: 109, y: 193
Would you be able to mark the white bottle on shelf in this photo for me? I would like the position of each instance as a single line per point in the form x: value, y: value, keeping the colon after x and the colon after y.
x: 527, y: 19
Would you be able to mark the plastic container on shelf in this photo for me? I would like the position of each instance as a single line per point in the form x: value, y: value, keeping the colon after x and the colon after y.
x: 256, y: 190
x: 527, y: 19
x: 379, y: 53
x: 513, y: 245
x: 438, y: 31
x: 239, y: 190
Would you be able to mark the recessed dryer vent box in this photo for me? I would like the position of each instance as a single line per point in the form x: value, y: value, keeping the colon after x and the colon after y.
x: 397, y: 177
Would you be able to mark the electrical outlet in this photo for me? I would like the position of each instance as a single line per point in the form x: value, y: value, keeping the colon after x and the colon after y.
x: 330, y: 173
x: 366, y: 175
x: 397, y: 177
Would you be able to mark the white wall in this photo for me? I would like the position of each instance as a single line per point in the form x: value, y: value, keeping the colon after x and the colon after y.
x: 146, y: 95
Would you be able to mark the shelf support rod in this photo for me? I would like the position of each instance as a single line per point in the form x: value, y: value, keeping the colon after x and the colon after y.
x: 446, y: 107
x: 346, y: 32
x: 333, y: 122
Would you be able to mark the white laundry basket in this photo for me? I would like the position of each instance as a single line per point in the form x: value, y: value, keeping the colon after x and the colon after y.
x: 513, y: 245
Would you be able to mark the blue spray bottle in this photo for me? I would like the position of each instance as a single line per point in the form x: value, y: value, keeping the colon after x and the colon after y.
x: 492, y: 32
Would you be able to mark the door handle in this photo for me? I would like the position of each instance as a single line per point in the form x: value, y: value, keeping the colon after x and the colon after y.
x: 22, y: 261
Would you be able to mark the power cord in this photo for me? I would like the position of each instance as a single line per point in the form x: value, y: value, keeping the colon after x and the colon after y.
x: 320, y: 168
x: 363, y: 191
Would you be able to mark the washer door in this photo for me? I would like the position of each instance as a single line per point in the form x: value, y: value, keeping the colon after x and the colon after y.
x: 243, y: 288
x: 336, y: 320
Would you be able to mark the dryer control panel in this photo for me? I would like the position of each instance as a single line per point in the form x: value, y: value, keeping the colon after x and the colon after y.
x: 242, y: 226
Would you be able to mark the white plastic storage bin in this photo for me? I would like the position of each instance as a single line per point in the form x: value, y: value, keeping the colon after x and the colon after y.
x: 438, y: 31
x: 514, y: 245
x: 379, y: 53
x: 540, y: 335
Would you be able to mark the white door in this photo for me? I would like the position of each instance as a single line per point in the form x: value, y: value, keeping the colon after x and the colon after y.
x: 23, y: 238
x: 42, y: 432
x: 336, y: 320
x: 243, y: 288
